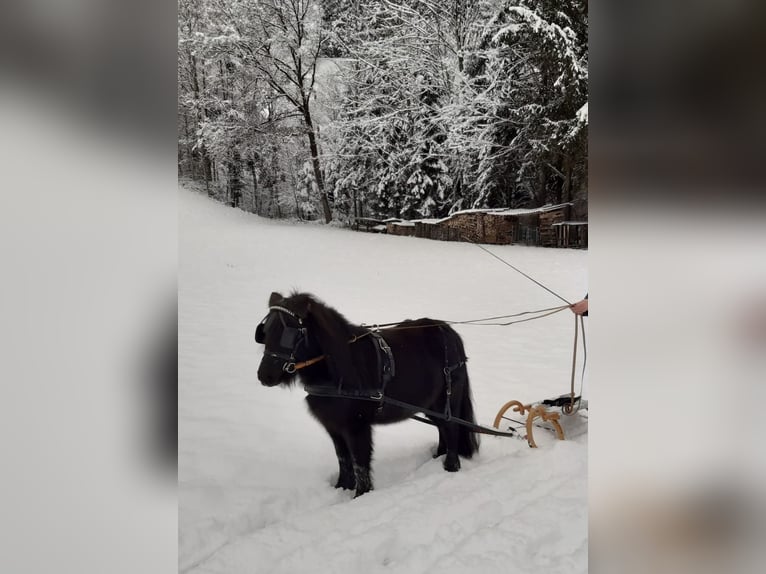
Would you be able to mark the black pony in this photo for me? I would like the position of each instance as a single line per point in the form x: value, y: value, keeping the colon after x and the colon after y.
x: 419, y: 363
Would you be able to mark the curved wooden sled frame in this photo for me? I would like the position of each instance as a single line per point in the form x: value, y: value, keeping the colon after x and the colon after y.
x: 532, y: 412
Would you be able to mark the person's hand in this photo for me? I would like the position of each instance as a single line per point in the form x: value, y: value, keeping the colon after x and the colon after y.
x: 580, y: 307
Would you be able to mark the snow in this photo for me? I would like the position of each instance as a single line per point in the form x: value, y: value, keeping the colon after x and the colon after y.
x: 497, y: 211
x: 529, y: 211
x: 256, y: 471
x: 582, y: 114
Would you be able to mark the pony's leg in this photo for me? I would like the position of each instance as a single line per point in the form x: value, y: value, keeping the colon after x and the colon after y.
x: 442, y: 448
x: 451, y: 433
x: 360, y: 444
x: 346, y: 477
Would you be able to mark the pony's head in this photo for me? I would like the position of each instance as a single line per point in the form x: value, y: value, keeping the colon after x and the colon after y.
x: 284, y: 333
x: 299, y: 329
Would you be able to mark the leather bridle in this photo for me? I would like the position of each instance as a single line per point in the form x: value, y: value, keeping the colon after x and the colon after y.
x: 290, y: 340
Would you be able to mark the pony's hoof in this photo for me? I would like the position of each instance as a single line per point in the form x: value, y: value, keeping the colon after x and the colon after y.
x: 345, y: 484
x: 452, y: 465
x: 361, y: 492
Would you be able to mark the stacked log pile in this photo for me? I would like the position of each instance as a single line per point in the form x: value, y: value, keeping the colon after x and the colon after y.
x: 493, y: 226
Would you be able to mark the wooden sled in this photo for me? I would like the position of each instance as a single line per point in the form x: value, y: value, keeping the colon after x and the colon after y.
x: 546, y: 411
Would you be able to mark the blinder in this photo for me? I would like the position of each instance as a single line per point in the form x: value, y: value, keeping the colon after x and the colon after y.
x: 290, y: 338
x: 260, y: 333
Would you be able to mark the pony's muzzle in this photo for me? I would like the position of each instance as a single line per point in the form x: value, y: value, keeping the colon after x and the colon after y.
x: 270, y: 373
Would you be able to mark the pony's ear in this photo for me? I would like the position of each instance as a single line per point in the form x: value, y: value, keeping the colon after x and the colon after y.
x: 275, y: 299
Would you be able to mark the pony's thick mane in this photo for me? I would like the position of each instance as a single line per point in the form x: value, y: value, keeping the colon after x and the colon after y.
x: 332, y: 331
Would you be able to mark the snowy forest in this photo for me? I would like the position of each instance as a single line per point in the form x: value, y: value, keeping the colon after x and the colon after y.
x: 339, y: 109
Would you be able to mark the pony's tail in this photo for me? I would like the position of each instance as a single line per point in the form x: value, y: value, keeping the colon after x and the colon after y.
x: 468, y: 441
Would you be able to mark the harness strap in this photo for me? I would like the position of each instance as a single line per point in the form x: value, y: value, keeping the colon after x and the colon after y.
x: 473, y: 426
x: 448, y: 374
x: 304, y: 364
x: 386, y: 363
x: 321, y: 391
x: 287, y: 311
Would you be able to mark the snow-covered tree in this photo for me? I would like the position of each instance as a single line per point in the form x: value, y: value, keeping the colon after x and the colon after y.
x: 290, y: 42
x: 518, y: 115
x: 443, y: 105
x: 393, y: 157
x: 255, y: 65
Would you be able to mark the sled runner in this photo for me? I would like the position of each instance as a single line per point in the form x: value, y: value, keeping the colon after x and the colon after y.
x: 547, y: 413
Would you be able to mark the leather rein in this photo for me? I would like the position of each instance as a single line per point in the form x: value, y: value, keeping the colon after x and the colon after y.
x: 290, y: 366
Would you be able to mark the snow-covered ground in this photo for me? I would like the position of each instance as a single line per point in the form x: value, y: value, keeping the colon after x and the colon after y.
x: 256, y: 471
